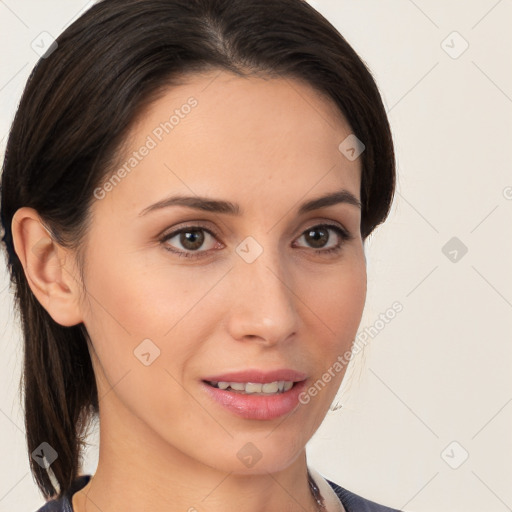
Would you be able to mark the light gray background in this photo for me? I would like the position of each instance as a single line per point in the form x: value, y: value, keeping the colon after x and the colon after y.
x: 433, y: 386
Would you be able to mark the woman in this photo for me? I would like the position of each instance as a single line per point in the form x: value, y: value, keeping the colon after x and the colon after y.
x: 187, y: 188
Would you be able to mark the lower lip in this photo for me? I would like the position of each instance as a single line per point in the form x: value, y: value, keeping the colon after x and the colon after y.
x: 257, y: 407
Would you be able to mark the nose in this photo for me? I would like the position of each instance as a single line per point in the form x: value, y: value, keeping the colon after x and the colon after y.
x: 263, y: 304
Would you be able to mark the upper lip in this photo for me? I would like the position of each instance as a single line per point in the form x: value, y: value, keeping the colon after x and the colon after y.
x: 259, y: 376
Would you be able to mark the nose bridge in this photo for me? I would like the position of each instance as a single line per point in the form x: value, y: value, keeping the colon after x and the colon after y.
x: 263, y: 303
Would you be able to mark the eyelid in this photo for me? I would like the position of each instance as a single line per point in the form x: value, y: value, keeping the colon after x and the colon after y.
x: 330, y: 223
x: 207, y: 227
x: 169, y: 233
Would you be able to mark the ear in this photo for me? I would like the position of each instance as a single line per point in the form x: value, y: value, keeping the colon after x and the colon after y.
x: 48, y: 267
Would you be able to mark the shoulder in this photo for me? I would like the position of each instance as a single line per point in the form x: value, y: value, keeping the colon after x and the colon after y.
x: 355, y: 503
x: 55, y: 506
x: 63, y: 504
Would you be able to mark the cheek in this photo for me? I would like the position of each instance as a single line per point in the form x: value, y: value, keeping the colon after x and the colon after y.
x: 338, y: 298
x: 144, y: 298
x: 139, y: 307
x: 145, y: 327
x: 338, y: 302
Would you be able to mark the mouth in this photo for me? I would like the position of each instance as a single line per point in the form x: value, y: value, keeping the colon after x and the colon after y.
x: 257, y: 395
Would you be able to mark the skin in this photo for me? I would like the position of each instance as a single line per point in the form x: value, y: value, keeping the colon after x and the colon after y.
x: 268, y: 145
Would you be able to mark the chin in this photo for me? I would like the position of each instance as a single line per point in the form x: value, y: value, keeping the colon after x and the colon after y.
x: 264, y: 453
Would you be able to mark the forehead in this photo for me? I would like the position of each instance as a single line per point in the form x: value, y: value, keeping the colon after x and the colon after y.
x: 217, y: 132
x: 229, y: 103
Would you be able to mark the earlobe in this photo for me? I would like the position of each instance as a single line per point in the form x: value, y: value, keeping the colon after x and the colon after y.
x: 47, y: 267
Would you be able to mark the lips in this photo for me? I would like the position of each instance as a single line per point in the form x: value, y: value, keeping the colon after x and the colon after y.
x: 257, y: 406
x: 258, y: 376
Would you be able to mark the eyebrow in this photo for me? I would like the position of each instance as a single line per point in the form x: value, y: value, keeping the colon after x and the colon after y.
x: 218, y: 206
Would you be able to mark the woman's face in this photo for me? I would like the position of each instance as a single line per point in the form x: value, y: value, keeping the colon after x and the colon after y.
x: 254, y: 283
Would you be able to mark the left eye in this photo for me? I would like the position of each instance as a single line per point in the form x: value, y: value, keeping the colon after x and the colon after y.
x: 318, y: 237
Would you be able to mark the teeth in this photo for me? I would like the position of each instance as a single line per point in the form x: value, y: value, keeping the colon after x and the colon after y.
x: 269, y: 388
x: 252, y: 387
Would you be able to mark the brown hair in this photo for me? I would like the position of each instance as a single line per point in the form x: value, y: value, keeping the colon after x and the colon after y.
x: 77, y: 107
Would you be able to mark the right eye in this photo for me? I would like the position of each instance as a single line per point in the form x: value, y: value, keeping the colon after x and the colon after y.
x: 189, y: 240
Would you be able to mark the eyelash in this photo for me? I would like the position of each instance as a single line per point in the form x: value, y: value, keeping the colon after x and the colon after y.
x: 343, y: 234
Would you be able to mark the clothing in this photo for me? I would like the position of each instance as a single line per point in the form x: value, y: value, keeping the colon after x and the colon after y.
x: 355, y: 503
x: 352, y: 502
